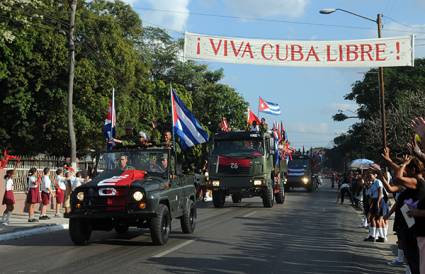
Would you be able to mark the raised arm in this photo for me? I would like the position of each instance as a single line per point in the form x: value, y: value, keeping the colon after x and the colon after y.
x: 408, y: 182
x: 388, y: 160
x: 388, y: 187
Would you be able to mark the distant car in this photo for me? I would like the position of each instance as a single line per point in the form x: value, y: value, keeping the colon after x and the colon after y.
x: 148, y: 193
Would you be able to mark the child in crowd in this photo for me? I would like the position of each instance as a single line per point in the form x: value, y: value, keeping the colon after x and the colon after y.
x: 33, y: 195
x: 46, y: 192
x: 9, y: 198
x: 60, y: 186
x: 77, y: 180
x: 68, y: 191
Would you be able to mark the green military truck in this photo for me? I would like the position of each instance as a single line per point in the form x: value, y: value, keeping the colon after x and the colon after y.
x: 241, y: 165
x: 147, y: 193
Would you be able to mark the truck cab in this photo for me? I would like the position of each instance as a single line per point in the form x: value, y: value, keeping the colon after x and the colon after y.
x: 241, y: 165
x: 300, y: 173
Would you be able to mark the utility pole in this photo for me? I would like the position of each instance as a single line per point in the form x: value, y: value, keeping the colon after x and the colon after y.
x: 71, y: 48
x: 382, y: 89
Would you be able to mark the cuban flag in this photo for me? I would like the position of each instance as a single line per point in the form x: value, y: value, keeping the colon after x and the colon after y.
x: 269, y: 107
x: 110, y: 121
x: 185, y: 124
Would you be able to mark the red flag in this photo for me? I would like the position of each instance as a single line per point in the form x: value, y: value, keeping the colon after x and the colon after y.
x: 224, y: 126
x: 252, y: 117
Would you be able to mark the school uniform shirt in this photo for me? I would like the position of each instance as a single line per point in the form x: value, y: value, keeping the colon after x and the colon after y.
x: 9, y: 184
x: 345, y: 185
x: 374, y: 189
x: 61, y: 182
x: 32, y: 182
x: 46, y: 184
x: 75, y: 182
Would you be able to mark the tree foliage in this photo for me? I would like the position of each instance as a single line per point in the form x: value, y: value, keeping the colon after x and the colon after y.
x: 404, y: 99
x: 113, y: 50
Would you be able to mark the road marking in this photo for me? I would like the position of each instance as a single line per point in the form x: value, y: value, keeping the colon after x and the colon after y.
x: 166, y: 252
x: 249, y: 214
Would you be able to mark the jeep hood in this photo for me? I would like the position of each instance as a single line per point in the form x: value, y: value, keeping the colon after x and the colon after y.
x: 118, y: 178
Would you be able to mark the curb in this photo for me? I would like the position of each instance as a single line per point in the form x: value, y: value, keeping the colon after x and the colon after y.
x: 33, y: 231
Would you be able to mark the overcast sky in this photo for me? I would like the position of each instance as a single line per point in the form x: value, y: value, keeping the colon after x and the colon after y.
x: 308, y: 96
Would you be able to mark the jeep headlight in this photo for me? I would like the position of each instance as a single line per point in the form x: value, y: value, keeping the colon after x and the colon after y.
x: 304, y: 180
x: 258, y: 182
x: 216, y: 183
x: 80, y: 196
x: 137, y: 196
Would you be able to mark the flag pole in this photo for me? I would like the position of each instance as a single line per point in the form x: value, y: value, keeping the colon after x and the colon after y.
x: 258, y: 108
x: 172, y: 129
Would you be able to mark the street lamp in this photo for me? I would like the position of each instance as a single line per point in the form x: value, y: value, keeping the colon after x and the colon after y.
x: 378, y: 22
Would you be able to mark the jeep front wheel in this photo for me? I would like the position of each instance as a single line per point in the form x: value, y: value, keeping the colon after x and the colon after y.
x: 218, y: 198
x: 188, y: 219
x: 80, y: 231
x: 268, y: 197
x: 160, y: 225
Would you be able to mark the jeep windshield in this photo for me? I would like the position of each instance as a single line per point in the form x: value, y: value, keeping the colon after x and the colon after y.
x: 245, y: 148
x: 153, y: 162
x: 298, y: 164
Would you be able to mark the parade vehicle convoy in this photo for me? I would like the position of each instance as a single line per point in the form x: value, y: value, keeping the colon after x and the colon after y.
x: 241, y: 164
x: 300, y: 173
x: 147, y: 193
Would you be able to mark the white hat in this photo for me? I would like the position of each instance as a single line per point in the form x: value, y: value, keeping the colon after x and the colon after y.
x: 142, y: 134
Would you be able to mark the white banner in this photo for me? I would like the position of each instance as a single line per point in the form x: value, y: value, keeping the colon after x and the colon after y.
x: 383, y: 52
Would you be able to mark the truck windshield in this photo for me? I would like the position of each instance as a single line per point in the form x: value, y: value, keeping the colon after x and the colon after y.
x: 154, y: 162
x: 298, y: 163
x: 239, y: 147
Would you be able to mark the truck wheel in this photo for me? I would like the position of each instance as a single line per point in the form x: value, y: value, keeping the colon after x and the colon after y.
x: 218, y: 198
x: 80, y: 231
x: 268, y: 197
x: 188, y: 219
x: 121, y: 228
x: 236, y: 198
x: 160, y: 225
x: 280, y: 197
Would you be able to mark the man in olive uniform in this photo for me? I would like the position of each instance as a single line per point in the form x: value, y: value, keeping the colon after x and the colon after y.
x: 123, y: 163
x: 129, y: 139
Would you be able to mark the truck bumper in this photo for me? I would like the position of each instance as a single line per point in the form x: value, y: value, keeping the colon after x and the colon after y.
x: 298, y: 182
x: 247, y: 186
x: 101, y: 214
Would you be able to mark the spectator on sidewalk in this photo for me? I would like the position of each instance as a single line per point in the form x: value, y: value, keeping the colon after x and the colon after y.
x: 344, y: 188
x: 76, y: 180
x: 60, y: 187
x: 68, y: 191
x: 378, y: 208
x: 9, y: 198
x: 33, y: 195
x: 46, y: 193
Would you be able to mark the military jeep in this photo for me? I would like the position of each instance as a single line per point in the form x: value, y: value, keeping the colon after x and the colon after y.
x: 146, y: 193
x: 241, y: 164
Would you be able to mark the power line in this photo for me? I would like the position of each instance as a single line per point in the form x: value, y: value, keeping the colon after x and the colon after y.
x: 264, y: 19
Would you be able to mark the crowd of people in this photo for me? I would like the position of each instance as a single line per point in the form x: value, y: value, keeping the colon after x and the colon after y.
x: 372, y: 190
x: 43, y: 188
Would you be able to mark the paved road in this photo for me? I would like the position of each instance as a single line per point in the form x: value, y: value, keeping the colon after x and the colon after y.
x: 308, y: 234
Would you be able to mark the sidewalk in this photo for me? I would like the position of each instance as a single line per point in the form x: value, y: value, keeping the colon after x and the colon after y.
x: 19, y: 226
